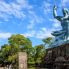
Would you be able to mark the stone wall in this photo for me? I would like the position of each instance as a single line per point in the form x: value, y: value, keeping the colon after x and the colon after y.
x: 59, y: 56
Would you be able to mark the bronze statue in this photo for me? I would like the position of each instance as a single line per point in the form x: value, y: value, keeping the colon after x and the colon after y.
x: 64, y: 20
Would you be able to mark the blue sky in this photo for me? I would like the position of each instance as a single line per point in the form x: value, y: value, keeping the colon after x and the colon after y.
x: 31, y: 18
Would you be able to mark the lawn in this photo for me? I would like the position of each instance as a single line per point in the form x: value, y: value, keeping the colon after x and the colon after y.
x: 32, y: 68
x: 36, y: 68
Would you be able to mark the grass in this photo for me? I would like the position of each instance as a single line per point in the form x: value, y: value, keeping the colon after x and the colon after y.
x: 32, y: 68
x: 36, y: 68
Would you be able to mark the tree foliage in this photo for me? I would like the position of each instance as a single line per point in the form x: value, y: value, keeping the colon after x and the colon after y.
x: 15, y: 44
x: 40, y: 52
x: 20, y: 40
x: 48, y: 41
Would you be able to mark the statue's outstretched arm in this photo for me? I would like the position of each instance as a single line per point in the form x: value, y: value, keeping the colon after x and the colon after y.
x: 55, y: 14
x: 66, y: 17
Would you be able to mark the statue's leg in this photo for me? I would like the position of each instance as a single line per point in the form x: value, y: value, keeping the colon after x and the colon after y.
x: 67, y: 35
x: 67, y: 31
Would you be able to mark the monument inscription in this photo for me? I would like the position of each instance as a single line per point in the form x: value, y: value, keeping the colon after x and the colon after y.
x: 22, y: 58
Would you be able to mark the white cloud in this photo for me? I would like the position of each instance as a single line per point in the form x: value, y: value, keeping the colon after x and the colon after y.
x: 46, y: 7
x: 31, y: 24
x: 7, y: 10
x: 23, y: 4
x: 34, y: 19
x: 55, y: 23
x: 43, y: 33
x: 30, y: 33
x: 65, y: 2
x: 13, y: 8
x: 5, y: 35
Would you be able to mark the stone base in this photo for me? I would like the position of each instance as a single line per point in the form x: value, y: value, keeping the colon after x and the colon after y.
x: 58, y: 53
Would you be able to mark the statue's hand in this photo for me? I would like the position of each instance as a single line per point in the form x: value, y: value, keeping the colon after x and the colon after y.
x: 55, y: 8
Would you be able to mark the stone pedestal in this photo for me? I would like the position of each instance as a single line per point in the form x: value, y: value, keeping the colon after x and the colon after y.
x: 1, y: 67
x: 59, y: 55
x: 22, y: 60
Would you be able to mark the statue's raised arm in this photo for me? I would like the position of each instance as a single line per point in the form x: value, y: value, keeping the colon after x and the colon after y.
x: 54, y: 11
x: 55, y: 14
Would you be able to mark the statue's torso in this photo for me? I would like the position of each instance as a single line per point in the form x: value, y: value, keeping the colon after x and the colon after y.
x: 65, y: 23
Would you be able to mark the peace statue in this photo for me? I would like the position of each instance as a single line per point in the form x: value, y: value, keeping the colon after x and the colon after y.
x: 64, y: 20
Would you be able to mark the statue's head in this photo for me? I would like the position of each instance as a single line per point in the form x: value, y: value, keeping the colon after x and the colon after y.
x: 65, y: 11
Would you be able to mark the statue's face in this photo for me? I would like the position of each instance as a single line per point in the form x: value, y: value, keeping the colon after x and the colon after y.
x: 65, y: 11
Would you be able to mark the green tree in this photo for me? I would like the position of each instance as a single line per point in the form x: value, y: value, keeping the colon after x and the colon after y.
x: 7, y: 55
x: 20, y: 43
x: 48, y: 41
x: 31, y: 56
x: 15, y: 44
x: 5, y: 52
x: 40, y: 52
